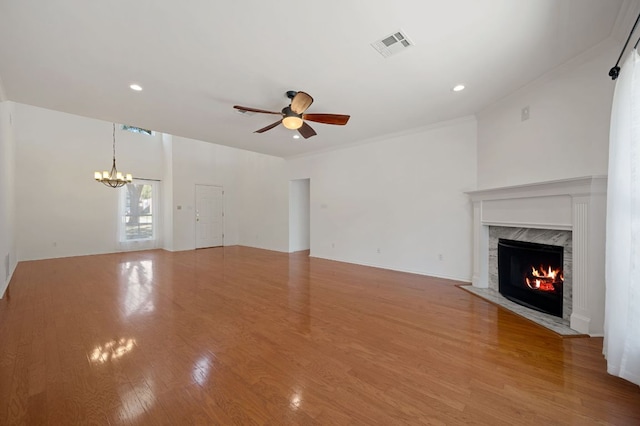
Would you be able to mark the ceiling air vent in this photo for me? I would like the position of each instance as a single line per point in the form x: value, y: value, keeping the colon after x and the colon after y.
x: 392, y: 44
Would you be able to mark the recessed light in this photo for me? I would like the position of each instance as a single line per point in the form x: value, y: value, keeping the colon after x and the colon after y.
x: 296, y: 136
x: 136, y: 87
x: 458, y: 88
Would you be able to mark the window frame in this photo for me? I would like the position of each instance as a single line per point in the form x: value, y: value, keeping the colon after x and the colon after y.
x: 136, y: 130
x: 151, y: 241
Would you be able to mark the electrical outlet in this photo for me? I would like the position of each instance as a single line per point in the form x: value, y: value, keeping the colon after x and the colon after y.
x: 440, y: 257
x: 524, y: 114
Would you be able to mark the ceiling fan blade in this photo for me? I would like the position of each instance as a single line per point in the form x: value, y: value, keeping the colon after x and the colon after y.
x: 300, y: 102
x: 269, y: 127
x: 241, y: 108
x: 338, y: 119
x: 306, y: 131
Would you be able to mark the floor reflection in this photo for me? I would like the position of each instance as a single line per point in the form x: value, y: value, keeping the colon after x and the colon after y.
x: 201, y: 369
x: 296, y: 400
x: 138, y: 287
x: 299, y: 297
x: 137, y: 400
x: 535, y: 359
x: 111, y: 350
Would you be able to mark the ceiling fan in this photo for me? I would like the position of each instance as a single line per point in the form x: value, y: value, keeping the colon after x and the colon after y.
x: 293, y: 116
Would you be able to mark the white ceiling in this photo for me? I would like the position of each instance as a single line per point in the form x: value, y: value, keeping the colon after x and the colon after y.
x: 197, y: 59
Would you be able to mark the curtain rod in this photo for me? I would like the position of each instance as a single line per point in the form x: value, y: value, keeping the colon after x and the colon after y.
x: 615, y: 71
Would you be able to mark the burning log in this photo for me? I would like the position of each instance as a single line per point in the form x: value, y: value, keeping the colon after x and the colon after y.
x: 544, y: 279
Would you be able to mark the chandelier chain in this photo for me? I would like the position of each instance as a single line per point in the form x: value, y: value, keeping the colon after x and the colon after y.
x: 114, y: 142
x: 113, y: 179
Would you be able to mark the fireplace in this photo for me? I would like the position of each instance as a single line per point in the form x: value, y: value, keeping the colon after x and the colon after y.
x: 531, y: 274
x: 576, y: 206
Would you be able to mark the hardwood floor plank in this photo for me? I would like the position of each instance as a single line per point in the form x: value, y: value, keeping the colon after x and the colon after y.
x: 238, y: 335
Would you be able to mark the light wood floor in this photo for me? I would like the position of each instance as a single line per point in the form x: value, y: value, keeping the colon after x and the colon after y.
x: 246, y: 336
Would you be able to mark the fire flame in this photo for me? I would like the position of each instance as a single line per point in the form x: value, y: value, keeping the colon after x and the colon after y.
x: 544, y: 280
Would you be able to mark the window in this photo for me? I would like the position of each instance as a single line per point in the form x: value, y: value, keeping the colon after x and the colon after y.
x: 138, y: 211
x: 134, y: 129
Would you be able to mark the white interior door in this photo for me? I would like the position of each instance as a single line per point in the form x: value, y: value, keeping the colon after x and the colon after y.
x: 209, y: 216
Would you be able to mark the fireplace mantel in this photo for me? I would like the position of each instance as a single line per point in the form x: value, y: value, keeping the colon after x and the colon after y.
x: 577, y: 205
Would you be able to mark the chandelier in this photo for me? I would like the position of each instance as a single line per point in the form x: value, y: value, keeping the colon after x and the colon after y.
x: 114, y: 178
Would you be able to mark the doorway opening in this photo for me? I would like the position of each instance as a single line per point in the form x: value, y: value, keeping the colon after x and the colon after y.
x: 299, y: 215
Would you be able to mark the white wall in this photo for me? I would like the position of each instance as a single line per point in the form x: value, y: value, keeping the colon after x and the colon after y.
x: 567, y: 133
x: 62, y: 210
x: 255, y: 191
x: 299, y: 215
x: 197, y: 162
x: 167, y: 191
x: 8, y: 252
x: 264, y: 202
x: 403, y: 195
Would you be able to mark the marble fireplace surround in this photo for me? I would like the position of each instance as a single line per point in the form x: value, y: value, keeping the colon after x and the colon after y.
x: 577, y: 205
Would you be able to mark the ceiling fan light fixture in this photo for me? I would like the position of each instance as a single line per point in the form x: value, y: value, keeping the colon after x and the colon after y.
x: 294, y: 117
x: 292, y: 122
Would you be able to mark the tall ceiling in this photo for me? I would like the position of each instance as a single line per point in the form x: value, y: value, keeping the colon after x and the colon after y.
x: 197, y: 59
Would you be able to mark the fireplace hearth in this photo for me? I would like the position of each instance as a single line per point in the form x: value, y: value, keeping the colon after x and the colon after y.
x: 531, y: 274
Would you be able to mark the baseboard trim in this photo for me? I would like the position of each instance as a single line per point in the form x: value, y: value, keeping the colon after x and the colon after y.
x: 4, y: 288
x: 464, y: 280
